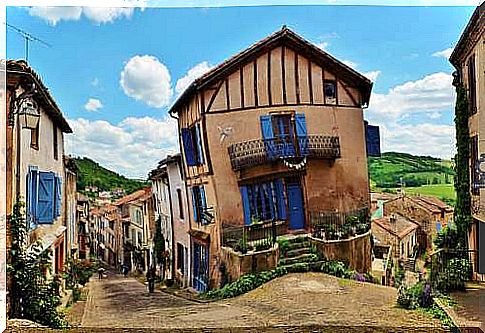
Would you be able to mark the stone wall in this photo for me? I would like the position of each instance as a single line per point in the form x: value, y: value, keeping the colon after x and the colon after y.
x: 238, y: 264
x: 356, y: 252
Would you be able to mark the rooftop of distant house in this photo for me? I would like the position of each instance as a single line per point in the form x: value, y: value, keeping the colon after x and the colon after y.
x: 382, y: 196
x: 139, y: 195
x: 396, y: 225
x: 427, y: 202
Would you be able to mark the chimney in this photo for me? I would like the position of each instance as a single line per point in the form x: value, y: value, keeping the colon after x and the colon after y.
x: 392, y: 219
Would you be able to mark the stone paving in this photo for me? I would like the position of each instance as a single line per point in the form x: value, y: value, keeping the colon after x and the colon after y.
x: 470, y: 307
x: 295, y: 299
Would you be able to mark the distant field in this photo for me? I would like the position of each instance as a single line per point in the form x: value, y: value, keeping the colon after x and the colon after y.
x: 446, y: 192
x: 440, y: 190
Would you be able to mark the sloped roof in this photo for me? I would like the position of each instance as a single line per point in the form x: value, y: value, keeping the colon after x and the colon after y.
x: 434, y: 202
x: 476, y: 25
x: 20, y: 67
x: 287, y: 37
x: 140, y: 194
x: 400, y: 228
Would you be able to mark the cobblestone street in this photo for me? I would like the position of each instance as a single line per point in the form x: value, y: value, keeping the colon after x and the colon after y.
x: 296, y: 299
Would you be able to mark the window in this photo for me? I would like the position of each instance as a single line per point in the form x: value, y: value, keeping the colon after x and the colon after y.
x: 44, y: 197
x: 263, y: 201
x: 192, y: 142
x: 181, y: 208
x: 133, y: 237
x: 140, y: 239
x: 56, y: 152
x: 472, y: 87
x: 180, y: 257
x: 330, y: 92
x: 284, y: 137
x: 402, y: 249
x: 199, y: 204
x: 34, y: 137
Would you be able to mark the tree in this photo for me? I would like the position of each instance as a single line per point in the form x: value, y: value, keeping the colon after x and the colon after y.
x: 31, y: 296
x: 462, y: 179
x: 159, y: 247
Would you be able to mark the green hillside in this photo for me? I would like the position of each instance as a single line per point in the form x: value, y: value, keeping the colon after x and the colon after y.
x: 92, y: 174
x: 388, y: 170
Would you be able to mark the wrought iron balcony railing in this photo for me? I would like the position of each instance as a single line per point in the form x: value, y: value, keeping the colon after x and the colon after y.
x: 255, y: 152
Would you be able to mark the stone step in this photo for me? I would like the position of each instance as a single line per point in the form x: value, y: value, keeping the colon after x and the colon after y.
x: 301, y: 258
x: 293, y: 246
x: 297, y: 251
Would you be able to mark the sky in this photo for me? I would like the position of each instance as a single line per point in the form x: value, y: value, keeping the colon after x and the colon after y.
x: 114, y: 72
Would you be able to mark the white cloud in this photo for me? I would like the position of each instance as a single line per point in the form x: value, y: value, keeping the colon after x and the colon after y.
x: 98, y: 15
x: 133, y: 147
x: 102, y: 15
x: 432, y: 93
x: 446, y: 53
x: 434, y: 115
x: 322, y: 45
x: 422, y: 101
x: 350, y: 63
x: 93, y: 104
x: 55, y: 14
x: 372, y: 75
x: 146, y: 79
x: 193, y: 73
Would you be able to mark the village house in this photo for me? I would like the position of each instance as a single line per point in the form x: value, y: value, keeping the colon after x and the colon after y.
x: 83, y: 224
x: 168, y: 183
x: 275, y: 134
x: 398, y: 232
x: 377, y: 201
x: 429, y: 212
x: 138, y: 221
x: 468, y: 58
x: 35, y: 170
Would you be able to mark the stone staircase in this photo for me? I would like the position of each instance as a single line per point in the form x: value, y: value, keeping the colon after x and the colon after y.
x: 298, y: 251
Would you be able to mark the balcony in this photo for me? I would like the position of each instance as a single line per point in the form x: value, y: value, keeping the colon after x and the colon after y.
x: 251, y: 153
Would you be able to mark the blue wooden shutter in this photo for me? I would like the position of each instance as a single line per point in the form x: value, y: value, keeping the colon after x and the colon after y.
x: 188, y: 147
x: 200, y: 153
x: 32, y: 190
x: 194, y: 203
x: 58, y: 197
x: 268, y: 136
x: 372, y: 140
x: 203, y: 203
x: 246, y: 206
x: 301, y: 133
x: 280, y: 197
x: 45, y: 206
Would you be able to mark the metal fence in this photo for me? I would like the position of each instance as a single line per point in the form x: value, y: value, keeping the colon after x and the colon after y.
x: 339, y: 225
x: 450, y: 268
x: 249, y: 237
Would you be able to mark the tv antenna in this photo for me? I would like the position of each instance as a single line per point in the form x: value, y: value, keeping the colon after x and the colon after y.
x: 28, y: 37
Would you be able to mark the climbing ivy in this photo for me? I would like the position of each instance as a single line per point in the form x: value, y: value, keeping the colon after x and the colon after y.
x: 462, y: 214
x: 159, y: 247
x: 31, y: 295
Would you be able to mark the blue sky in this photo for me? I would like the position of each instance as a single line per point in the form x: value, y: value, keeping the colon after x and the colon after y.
x: 114, y: 72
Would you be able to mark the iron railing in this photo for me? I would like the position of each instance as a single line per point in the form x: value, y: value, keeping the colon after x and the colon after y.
x: 251, y: 237
x: 447, y: 267
x: 339, y: 225
x: 255, y: 152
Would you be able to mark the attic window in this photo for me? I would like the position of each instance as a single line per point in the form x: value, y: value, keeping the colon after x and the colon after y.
x: 330, y: 92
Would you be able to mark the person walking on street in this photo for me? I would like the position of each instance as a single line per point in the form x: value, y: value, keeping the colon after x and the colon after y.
x: 125, y: 270
x: 151, y: 279
x: 100, y: 273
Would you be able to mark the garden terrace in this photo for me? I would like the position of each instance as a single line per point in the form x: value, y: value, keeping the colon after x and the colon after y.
x: 256, y: 152
x: 339, y: 225
x: 256, y: 236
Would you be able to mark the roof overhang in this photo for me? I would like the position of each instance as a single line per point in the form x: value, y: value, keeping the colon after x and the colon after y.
x: 282, y: 37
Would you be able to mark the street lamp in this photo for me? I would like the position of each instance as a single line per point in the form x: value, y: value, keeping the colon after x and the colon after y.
x: 26, y: 110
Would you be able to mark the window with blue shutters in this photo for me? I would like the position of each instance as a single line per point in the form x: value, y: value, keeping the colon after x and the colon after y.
x: 301, y: 133
x: 32, y: 190
x: 58, y: 196
x: 263, y: 201
x: 46, y: 197
x: 284, y: 137
x: 268, y: 136
x: 192, y: 141
x: 199, y: 204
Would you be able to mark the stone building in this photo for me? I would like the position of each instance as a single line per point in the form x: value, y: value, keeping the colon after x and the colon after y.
x: 429, y: 212
x: 83, y: 226
x: 398, y: 232
x: 70, y: 207
x: 274, y: 134
x: 468, y: 58
x: 35, y: 172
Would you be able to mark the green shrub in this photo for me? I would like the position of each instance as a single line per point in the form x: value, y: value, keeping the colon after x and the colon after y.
x: 416, y: 296
x: 336, y: 268
x: 454, y: 276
